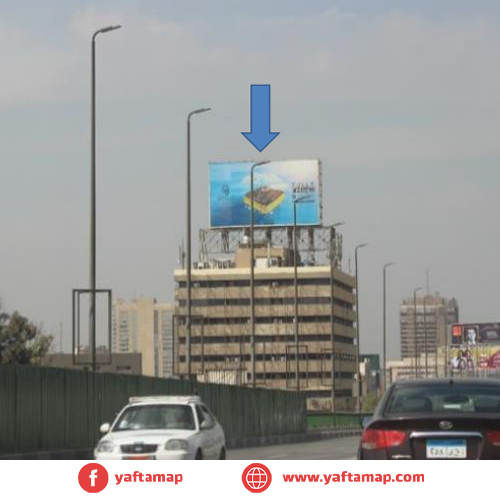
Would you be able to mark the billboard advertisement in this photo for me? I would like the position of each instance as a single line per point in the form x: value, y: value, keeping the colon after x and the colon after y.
x: 475, y: 333
x: 276, y: 185
x: 475, y: 358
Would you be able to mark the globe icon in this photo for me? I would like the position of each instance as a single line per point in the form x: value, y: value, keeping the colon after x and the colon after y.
x: 256, y: 478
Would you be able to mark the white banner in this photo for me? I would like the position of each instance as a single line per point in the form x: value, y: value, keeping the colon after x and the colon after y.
x: 383, y: 480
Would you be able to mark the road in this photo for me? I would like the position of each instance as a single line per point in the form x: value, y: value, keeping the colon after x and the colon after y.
x: 328, y: 449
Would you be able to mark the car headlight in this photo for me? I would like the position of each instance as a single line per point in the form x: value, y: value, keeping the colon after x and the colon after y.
x: 105, y: 447
x: 176, y: 444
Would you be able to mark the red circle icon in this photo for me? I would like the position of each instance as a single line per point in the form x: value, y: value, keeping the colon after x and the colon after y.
x: 256, y: 478
x: 93, y: 478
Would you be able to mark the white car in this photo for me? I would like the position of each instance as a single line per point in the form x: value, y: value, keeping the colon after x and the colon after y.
x: 163, y: 428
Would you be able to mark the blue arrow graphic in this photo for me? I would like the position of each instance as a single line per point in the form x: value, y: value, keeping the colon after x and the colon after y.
x: 260, y: 134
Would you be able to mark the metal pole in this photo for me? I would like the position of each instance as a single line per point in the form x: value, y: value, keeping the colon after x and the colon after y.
x: 332, y: 313
x: 385, y: 326
x: 93, y: 215
x: 296, y: 287
x: 93, y: 271
x: 358, y: 370
x: 252, y: 274
x: 188, y: 238
x: 332, y: 306
x: 384, y: 368
x: 415, y: 328
x: 252, y: 284
x: 425, y: 339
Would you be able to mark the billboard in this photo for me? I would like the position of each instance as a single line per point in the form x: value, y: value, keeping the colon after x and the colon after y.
x: 475, y: 358
x: 475, y: 333
x: 276, y: 185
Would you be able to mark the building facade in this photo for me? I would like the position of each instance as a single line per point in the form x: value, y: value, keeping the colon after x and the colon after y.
x: 221, y: 326
x: 426, y: 328
x: 434, y: 365
x: 119, y: 363
x: 145, y: 326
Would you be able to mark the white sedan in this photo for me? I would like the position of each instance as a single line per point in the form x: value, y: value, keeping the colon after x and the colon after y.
x: 163, y: 428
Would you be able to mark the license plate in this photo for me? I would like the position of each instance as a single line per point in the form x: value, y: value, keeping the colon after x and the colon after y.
x: 446, y: 448
x: 139, y: 457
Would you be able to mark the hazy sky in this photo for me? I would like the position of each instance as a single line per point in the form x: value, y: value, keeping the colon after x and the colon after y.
x: 400, y: 101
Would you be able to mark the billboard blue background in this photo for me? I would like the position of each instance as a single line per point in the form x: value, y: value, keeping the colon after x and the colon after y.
x: 230, y: 182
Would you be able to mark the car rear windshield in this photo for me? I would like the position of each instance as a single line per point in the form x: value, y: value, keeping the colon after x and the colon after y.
x: 456, y: 397
x: 155, y: 417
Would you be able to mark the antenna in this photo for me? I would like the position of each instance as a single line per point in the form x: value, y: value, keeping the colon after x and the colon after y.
x: 182, y: 254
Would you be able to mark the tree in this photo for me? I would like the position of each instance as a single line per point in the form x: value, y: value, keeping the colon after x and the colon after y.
x: 21, y: 341
x: 370, y: 403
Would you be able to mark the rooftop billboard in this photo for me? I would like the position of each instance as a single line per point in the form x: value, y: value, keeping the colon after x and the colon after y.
x: 276, y: 185
x: 472, y: 334
x: 478, y: 358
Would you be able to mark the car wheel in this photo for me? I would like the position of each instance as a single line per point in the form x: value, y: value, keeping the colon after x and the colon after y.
x: 199, y: 456
x: 222, y: 455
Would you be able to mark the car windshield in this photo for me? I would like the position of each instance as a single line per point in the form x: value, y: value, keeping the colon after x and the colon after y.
x: 151, y: 417
x: 447, y: 398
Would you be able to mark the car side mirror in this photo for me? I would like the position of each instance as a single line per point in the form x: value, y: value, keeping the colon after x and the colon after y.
x: 105, y: 428
x: 365, y: 421
x: 204, y: 425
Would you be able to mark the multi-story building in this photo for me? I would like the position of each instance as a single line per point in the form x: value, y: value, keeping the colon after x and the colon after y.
x: 128, y: 363
x: 221, y: 325
x: 426, y: 327
x: 145, y: 326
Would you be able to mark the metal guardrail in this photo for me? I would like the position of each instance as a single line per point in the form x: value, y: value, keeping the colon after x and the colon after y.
x: 43, y: 409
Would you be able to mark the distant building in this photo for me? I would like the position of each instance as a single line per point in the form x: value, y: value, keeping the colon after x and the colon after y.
x: 370, y: 373
x: 120, y: 363
x: 439, y: 364
x: 145, y: 326
x: 433, y: 318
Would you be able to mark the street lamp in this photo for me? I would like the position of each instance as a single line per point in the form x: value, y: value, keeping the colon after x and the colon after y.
x: 425, y: 338
x: 385, y: 325
x: 415, y: 327
x: 188, y: 238
x: 332, y: 306
x: 358, y: 403
x: 93, y: 202
x: 252, y: 275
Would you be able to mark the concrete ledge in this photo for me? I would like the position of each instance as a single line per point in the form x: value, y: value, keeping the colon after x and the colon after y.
x: 86, y: 455
x: 290, y: 439
x: 232, y: 444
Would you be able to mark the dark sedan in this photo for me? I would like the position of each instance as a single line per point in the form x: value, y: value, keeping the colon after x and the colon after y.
x: 435, y: 419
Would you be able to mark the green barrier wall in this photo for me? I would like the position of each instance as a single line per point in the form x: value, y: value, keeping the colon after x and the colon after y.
x: 45, y: 409
x: 318, y: 421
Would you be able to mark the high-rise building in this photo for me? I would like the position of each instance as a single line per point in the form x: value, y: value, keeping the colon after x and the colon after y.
x: 426, y: 328
x: 145, y: 326
x: 221, y: 324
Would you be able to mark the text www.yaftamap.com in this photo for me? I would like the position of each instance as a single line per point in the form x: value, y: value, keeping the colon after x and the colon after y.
x: 349, y: 477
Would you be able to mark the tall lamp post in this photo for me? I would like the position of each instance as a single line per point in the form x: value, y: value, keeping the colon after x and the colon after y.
x: 188, y: 239
x: 252, y: 275
x: 425, y: 339
x: 332, y: 305
x: 415, y: 327
x: 296, y: 295
x: 385, y: 325
x: 93, y: 202
x: 358, y: 370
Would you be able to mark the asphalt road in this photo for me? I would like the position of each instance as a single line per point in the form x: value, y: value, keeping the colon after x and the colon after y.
x: 328, y: 449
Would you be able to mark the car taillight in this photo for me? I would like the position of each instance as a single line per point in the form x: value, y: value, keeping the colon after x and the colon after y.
x: 375, y: 439
x: 494, y: 438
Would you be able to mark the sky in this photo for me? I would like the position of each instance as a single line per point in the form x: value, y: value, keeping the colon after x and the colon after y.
x: 400, y: 101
